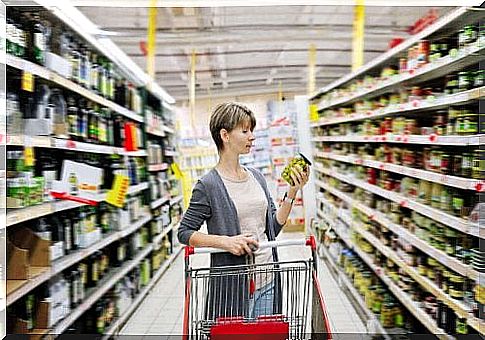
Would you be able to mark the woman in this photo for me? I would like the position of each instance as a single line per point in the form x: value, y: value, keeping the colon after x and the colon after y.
x: 236, y: 204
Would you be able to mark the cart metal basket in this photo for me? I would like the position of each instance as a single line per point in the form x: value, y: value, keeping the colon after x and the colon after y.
x: 219, y: 302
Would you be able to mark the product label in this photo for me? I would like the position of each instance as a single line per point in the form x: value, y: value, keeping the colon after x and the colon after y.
x: 39, y: 41
x: 117, y: 195
x: 29, y: 156
x: 27, y: 81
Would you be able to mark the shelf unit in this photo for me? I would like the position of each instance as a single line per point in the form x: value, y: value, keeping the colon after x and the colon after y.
x: 45, y: 73
x: 438, y: 215
x: 404, y: 298
x: 15, y: 216
x: 450, y: 22
x: 461, y: 309
x: 116, y: 326
x: 68, y: 260
x: 407, y: 139
x: 343, y: 280
x: 96, y: 293
x: 432, y: 103
x: 439, y: 68
x: 454, y: 181
x: 465, y: 57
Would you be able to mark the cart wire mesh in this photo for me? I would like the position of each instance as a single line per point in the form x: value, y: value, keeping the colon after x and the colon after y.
x: 224, y: 294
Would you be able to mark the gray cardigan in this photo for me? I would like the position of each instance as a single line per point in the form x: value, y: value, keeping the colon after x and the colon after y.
x: 210, y: 202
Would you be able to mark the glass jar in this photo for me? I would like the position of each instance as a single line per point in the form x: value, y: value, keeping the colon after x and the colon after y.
x: 479, y: 80
x: 478, y: 164
x: 465, y: 81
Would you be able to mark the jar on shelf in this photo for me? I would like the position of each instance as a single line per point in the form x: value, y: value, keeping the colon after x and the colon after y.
x: 479, y: 79
x: 466, y: 164
x: 456, y: 290
x: 478, y: 164
x: 436, y: 192
x: 445, y: 201
x: 465, y: 81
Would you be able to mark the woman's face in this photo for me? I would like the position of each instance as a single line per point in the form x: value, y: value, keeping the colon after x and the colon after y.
x: 240, y: 139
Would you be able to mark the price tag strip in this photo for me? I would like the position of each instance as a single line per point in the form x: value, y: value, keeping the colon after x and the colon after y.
x: 117, y: 195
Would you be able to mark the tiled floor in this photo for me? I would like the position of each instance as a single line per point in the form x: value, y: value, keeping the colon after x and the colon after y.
x: 161, y: 313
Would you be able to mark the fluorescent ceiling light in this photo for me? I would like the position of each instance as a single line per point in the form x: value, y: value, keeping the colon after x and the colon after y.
x: 242, y: 3
x: 88, y: 30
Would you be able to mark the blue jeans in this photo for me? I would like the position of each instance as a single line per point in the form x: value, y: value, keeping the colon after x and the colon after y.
x: 262, y: 301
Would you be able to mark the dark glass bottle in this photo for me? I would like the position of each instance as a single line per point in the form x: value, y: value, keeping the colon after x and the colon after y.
x: 92, y: 124
x: 72, y: 118
x: 38, y: 40
x: 94, y: 78
x: 82, y: 123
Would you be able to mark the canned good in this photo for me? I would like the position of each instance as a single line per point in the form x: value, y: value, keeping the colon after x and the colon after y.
x: 403, y: 65
x: 445, y: 203
x: 445, y: 165
x: 479, y: 80
x: 423, y: 52
x: 465, y: 81
x: 456, y: 167
x: 451, y: 84
x: 457, y: 203
x: 424, y: 191
x: 436, y: 191
x: 466, y: 164
x: 478, y: 164
x: 469, y: 34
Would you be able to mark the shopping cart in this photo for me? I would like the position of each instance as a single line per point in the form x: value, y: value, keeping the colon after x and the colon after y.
x: 219, y: 301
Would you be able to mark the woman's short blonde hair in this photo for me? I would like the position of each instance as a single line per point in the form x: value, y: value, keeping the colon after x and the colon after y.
x: 228, y: 116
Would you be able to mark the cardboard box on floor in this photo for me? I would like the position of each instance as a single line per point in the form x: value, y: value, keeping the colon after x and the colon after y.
x: 26, y: 251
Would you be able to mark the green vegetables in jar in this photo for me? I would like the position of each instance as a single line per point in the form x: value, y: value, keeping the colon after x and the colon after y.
x: 301, y: 161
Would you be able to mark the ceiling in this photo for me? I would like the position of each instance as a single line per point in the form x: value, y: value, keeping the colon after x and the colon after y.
x: 250, y: 50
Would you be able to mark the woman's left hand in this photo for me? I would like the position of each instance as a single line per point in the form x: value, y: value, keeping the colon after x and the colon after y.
x: 300, y: 177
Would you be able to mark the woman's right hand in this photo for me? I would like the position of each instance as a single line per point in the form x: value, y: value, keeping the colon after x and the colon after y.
x: 240, y: 244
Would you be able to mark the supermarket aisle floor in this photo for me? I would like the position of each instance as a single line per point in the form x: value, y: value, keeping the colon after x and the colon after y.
x: 161, y: 313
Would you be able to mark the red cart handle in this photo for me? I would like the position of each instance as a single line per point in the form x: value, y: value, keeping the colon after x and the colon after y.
x: 310, y: 241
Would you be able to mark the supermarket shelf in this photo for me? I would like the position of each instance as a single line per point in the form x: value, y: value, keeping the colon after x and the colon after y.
x: 99, y: 291
x: 158, y: 167
x: 438, y: 103
x: 15, y: 216
x: 47, y: 74
x: 343, y: 279
x: 379, y: 217
x: 68, y: 260
x: 477, y: 324
x: 445, y: 65
x: 461, y: 309
x: 134, y: 189
x: 405, y: 299
x: 115, y: 327
x: 67, y: 144
x: 454, y: 181
x: 139, y: 153
x: 169, y: 153
x: 159, y: 202
x: 435, y: 214
x: 176, y: 199
x: 158, y: 238
x: 168, y: 129
x: 24, y: 214
x: 155, y: 132
x: 407, y: 139
x: 441, y: 24
x: 35, y: 141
